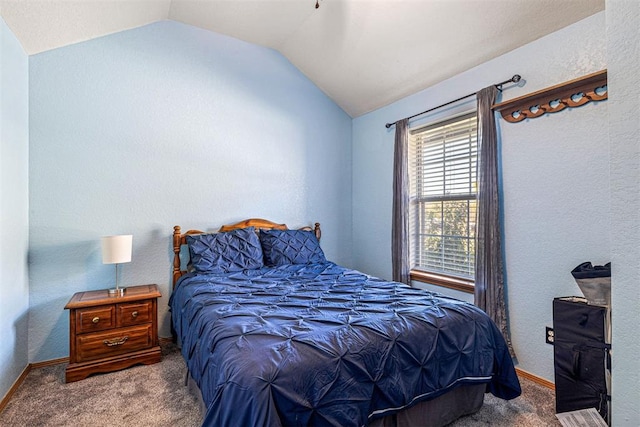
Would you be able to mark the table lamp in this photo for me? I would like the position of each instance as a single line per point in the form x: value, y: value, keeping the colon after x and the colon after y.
x: 116, y: 250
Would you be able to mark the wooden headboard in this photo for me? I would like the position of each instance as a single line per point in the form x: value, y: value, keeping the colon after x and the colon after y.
x: 180, y: 239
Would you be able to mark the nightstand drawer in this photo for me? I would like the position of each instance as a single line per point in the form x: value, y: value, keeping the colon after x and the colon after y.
x: 95, y: 318
x: 100, y: 345
x: 134, y: 313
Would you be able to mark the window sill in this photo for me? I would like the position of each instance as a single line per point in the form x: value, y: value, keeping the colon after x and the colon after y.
x: 450, y: 282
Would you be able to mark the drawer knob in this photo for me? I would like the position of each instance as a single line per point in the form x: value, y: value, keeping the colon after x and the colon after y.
x: 95, y: 319
x: 116, y: 341
x: 134, y: 314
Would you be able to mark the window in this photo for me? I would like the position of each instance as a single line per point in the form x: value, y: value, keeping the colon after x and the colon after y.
x: 442, y: 174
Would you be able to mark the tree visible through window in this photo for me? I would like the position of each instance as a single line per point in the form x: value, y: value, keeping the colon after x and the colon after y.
x: 442, y: 167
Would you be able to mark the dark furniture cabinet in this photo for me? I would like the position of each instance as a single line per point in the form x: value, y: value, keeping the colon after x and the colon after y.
x: 581, y: 355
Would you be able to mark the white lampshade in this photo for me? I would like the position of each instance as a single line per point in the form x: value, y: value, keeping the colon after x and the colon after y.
x: 116, y: 249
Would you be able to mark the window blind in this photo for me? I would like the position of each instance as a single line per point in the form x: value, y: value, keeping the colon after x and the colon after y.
x: 443, y: 159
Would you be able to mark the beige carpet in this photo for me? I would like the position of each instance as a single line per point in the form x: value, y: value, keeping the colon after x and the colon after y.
x: 144, y: 395
x: 154, y: 395
x: 534, y: 408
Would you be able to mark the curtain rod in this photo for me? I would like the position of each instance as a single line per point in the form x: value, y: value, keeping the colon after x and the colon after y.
x: 515, y: 79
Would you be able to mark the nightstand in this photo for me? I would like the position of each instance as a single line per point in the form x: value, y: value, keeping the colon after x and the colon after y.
x: 109, y: 333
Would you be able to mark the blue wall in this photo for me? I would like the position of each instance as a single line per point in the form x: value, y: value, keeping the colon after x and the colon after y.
x: 555, y: 172
x: 162, y: 125
x: 14, y: 207
x: 623, y: 57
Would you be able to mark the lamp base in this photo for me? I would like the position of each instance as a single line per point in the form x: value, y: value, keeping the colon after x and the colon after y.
x: 116, y: 292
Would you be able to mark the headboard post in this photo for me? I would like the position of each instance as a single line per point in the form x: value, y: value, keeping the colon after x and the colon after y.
x: 177, y: 240
x: 316, y: 230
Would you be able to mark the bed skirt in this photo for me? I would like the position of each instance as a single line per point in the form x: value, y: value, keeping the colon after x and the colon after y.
x: 438, y: 412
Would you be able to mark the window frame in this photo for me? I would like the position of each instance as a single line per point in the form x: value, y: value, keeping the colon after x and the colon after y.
x: 438, y: 278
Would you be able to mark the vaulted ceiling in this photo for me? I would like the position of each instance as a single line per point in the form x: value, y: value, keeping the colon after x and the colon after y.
x: 363, y: 54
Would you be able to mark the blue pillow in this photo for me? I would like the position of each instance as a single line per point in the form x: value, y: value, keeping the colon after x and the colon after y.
x: 235, y: 250
x: 282, y: 247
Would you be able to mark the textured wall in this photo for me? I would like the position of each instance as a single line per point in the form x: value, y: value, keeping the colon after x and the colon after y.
x: 14, y: 207
x: 623, y: 53
x: 170, y: 124
x: 555, y: 173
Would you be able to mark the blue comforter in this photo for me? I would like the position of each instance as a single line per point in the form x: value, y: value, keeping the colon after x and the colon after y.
x: 320, y: 344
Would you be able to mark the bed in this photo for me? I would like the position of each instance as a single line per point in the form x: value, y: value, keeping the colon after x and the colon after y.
x: 273, y: 334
